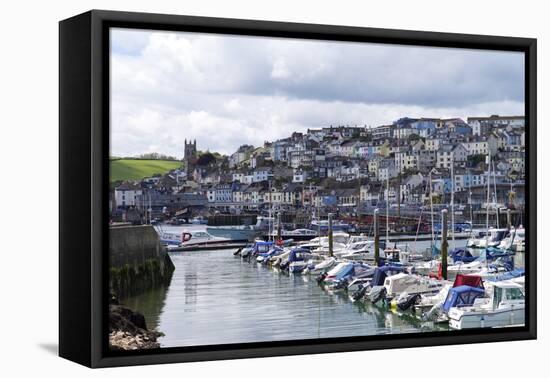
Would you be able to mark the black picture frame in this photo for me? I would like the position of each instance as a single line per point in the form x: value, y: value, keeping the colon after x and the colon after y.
x: 84, y: 170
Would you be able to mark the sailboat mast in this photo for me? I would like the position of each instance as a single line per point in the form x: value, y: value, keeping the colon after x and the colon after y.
x: 432, y: 209
x: 496, y: 195
x: 470, y: 199
x: 387, y: 207
x: 270, y: 227
x: 453, y: 198
x: 487, y: 204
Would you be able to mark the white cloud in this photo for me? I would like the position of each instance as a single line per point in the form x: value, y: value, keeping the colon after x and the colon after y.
x: 226, y: 91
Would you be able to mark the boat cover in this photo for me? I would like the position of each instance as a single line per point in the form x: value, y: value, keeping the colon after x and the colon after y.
x: 508, y: 275
x: 346, y: 271
x: 493, y: 253
x: 382, y: 272
x: 461, y: 296
x: 462, y: 254
x: 473, y: 281
x: 299, y: 254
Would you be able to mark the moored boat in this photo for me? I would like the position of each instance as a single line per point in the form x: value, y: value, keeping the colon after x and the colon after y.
x: 503, y: 306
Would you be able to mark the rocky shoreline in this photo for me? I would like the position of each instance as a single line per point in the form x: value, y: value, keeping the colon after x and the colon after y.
x: 128, y: 330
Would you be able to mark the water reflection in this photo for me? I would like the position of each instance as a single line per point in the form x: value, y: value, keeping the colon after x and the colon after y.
x: 215, y: 298
x: 150, y: 304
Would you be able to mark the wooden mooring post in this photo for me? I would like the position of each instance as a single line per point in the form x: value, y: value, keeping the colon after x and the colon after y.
x: 279, y: 227
x: 376, y: 239
x: 444, y: 244
x: 330, y: 243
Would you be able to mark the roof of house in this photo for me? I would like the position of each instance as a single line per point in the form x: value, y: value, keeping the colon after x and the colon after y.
x: 494, y: 117
x: 127, y: 185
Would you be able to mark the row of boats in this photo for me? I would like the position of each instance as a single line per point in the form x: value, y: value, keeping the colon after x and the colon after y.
x: 483, y: 288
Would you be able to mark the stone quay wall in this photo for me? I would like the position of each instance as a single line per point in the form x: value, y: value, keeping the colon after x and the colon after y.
x: 138, y: 261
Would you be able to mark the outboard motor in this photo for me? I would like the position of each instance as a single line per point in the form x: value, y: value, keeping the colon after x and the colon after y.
x: 433, y: 313
x: 284, y: 265
x: 377, y: 293
x: 321, y: 277
x: 359, y: 293
x: 406, y: 303
x: 237, y: 252
x: 343, y: 284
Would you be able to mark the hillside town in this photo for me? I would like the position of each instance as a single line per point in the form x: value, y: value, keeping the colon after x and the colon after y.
x: 347, y: 169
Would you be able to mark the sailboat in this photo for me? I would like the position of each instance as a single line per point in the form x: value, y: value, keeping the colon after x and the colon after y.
x: 492, y: 236
x: 392, y: 254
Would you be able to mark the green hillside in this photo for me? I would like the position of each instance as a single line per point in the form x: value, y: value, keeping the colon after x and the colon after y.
x: 128, y: 169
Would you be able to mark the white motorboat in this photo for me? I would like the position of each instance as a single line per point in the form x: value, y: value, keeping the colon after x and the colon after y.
x: 298, y: 234
x: 515, y: 240
x: 337, y: 237
x: 411, y: 284
x: 321, y: 267
x: 430, y: 303
x: 503, y: 306
x: 484, y: 239
x: 358, y: 251
x: 188, y: 238
x: 241, y: 232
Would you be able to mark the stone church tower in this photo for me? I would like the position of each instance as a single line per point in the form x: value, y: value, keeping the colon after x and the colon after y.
x: 190, y: 156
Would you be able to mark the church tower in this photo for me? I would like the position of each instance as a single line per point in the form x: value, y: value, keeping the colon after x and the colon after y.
x: 190, y: 156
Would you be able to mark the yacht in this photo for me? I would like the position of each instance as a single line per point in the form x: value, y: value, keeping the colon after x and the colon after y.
x: 515, y: 240
x: 241, y: 232
x: 321, y: 267
x: 484, y: 239
x: 299, y: 234
x: 320, y: 244
x: 299, y: 259
x: 322, y: 225
x: 503, y: 306
x: 361, y: 250
x: 188, y: 238
x: 400, y: 283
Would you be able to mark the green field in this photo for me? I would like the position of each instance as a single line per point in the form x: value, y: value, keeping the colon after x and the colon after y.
x: 128, y: 169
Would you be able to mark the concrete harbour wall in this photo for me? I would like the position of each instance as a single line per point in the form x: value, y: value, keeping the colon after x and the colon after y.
x: 138, y: 261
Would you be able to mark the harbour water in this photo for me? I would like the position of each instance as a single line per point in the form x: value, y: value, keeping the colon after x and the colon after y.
x: 216, y: 298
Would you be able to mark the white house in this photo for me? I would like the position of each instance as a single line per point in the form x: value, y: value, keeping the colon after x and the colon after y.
x: 449, y: 154
x: 406, y: 160
x: 126, y: 193
x: 299, y: 176
x: 477, y: 147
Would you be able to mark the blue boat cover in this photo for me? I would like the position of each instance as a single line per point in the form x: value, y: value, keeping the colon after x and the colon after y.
x: 299, y: 254
x: 508, y: 275
x: 492, y: 253
x: 462, y: 254
x: 346, y: 271
x: 461, y: 296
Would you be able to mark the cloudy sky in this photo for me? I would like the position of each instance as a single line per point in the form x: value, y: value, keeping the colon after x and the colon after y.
x: 230, y: 90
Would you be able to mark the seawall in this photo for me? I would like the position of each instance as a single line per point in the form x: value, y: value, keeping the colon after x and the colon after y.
x: 138, y: 261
